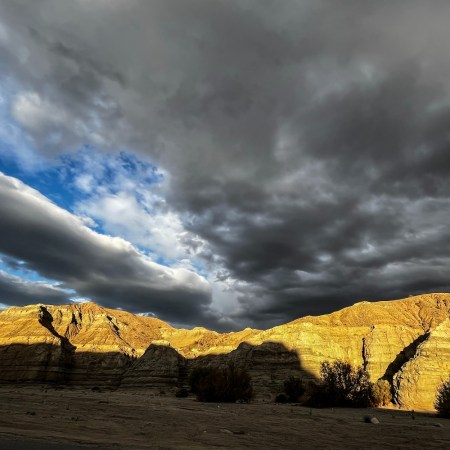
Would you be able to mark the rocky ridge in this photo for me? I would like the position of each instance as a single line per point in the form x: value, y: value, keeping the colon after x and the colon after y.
x: 406, y: 342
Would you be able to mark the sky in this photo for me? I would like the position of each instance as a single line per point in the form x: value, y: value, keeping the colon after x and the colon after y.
x: 224, y: 163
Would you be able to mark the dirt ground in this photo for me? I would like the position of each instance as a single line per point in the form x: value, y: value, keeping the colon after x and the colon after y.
x: 140, y: 419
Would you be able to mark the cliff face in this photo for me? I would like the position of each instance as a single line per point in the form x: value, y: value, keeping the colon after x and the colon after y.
x: 406, y: 342
x: 75, y: 344
x: 159, y: 368
x: 416, y: 383
x: 379, y: 336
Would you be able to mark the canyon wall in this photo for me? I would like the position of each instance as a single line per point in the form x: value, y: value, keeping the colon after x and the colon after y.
x: 406, y: 342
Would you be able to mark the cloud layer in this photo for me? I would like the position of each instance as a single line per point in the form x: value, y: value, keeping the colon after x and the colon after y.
x: 306, y: 142
x: 108, y: 270
x: 16, y: 291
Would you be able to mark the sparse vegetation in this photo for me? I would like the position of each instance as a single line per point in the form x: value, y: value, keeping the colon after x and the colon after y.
x: 196, y: 377
x: 294, y: 388
x: 381, y: 393
x: 182, y: 393
x: 281, y: 398
x: 342, y: 385
x: 229, y: 384
x: 442, y: 400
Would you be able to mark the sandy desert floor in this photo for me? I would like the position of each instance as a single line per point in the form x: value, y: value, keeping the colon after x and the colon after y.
x: 139, y: 419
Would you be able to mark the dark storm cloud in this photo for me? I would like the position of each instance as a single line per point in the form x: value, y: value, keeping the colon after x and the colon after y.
x: 107, y: 270
x: 307, y: 141
x: 14, y: 291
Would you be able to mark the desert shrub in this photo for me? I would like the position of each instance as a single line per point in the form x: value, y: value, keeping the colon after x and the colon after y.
x: 229, y: 384
x: 294, y: 388
x: 342, y: 385
x: 381, y: 393
x: 442, y: 400
x: 182, y: 393
x: 281, y: 398
x: 197, y: 376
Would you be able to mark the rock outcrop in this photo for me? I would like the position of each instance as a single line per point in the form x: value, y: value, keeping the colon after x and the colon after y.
x: 373, y: 335
x: 386, y: 338
x: 416, y: 383
x: 269, y: 365
x: 159, y: 368
x: 162, y: 368
x: 406, y: 342
x: 75, y: 344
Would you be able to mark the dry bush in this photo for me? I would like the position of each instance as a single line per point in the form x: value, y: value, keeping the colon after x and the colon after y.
x: 381, y: 393
x: 229, y: 384
x: 294, y: 388
x: 342, y: 385
x: 442, y: 400
x: 281, y: 398
x: 182, y: 393
x: 196, y: 377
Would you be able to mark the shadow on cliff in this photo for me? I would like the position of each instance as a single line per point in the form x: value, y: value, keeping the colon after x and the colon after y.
x: 403, y: 357
x: 161, y: 367
x: 269, y: 364
x: 61, y: 365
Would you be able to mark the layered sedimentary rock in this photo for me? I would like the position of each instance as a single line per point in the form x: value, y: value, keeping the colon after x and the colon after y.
x: 405, y: 342
x: 378, y: 336
x: 163, y: 368
x: 75, y: 344
x: 160, y: 367
x: 269, y: 365
x: 416, y: 383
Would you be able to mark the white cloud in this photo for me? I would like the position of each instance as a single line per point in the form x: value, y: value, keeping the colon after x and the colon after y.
x: 85, y: 182
x: 16, y: 144
x: 128, y: 204
x: 121, y: 214
x: 37, y: 113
